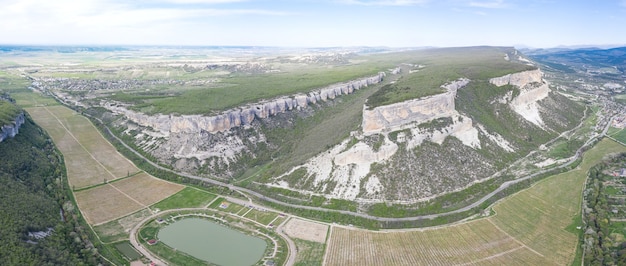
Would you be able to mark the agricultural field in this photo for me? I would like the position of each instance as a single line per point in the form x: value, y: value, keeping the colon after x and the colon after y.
x: 187, y: 198
x: 264, y: 217
x: 306, y: 230
x: 309, y: 253
x: 113, y: 200
x: 118, y: 230
x: 532, y: 227
x: 618, y: 134
x: 89, y: 158
x: 93, y: 164
x: 128, y: 250
x: 147, y: 189
x: 105, y: 203
x: 469, y: 242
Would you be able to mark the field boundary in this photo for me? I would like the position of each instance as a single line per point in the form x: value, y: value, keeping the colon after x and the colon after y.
x: 79, y: 143
x: 515, y: 239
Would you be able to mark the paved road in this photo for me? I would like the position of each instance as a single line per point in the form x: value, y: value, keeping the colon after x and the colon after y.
x: 139, y: 247
x: 292, y: 250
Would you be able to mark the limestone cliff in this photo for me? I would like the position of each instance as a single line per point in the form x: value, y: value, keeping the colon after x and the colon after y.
x: 420, y: 148
x: 241, y: 116
x: 223, y: 145
x: 532, y: 90
x: 12, y: 129
x: 395, y: 116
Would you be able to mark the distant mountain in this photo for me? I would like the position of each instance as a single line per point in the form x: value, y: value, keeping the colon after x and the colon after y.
x: 584, y: 59
x: 59, y: 49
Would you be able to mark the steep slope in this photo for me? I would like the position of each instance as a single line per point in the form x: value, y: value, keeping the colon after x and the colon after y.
x: 420, y: 148
x: 39, y: 225
x: 11, y: 118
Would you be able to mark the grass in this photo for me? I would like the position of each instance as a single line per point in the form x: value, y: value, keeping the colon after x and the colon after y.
x: 128, y: 250
x: 187, y: 198
x: 620, y: 136
x: 613, y: 191
x: 239, y: 89
x: 231, y: 89
x: 307, y: 137
x: 309, y: 253
x: 232, y: 207
x: 564, y: 148
x: 445, y: 65
x: 216, y: 203
x: 8, y: 112
x: 263, y: 217
x: 119, y: 230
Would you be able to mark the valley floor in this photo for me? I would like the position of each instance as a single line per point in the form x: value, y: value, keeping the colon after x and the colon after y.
x: 535, y: 226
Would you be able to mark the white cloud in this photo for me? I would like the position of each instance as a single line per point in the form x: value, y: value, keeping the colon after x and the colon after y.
x: 33, y: 13
x: 493, y: 4
x: 385, y: 2
x: 199, y: 1
x: 109, y: 21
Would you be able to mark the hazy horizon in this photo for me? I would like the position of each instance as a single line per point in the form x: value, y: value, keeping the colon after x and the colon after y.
x: 308, y: 24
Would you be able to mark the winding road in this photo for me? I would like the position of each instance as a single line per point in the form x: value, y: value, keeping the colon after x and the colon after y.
x: 502, y: 187
x: 292, y: 251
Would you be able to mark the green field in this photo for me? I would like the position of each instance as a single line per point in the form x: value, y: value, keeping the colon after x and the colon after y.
x: 8, y: 112
x: 619, y: 135
x: 129, y: 251
x: 309, y: 253
x: 444, y: 65
x: 263, y: 217
x: 119, y: 230
x: 239, y: 89
x: 187, y: 198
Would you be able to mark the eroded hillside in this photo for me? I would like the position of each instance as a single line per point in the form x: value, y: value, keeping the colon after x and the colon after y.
x: 420, y: 148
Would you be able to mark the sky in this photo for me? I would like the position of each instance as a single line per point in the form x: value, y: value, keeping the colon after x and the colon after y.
x: 308, y: 23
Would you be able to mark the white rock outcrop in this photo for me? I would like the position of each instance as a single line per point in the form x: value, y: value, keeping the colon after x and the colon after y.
x: 532, y: 90
x: 10, y: 130
x: 241, y: 116
x: 395, y: 116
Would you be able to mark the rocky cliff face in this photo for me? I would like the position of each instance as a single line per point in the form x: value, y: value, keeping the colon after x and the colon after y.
x: 224, y: 144
x: 396, y: 116
x: 10, y: 130
x: 426, y: 146
x: 242, y: 116
x: 532, y: 90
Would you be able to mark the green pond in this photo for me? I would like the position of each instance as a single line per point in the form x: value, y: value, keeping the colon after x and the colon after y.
x: 212, y: 242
